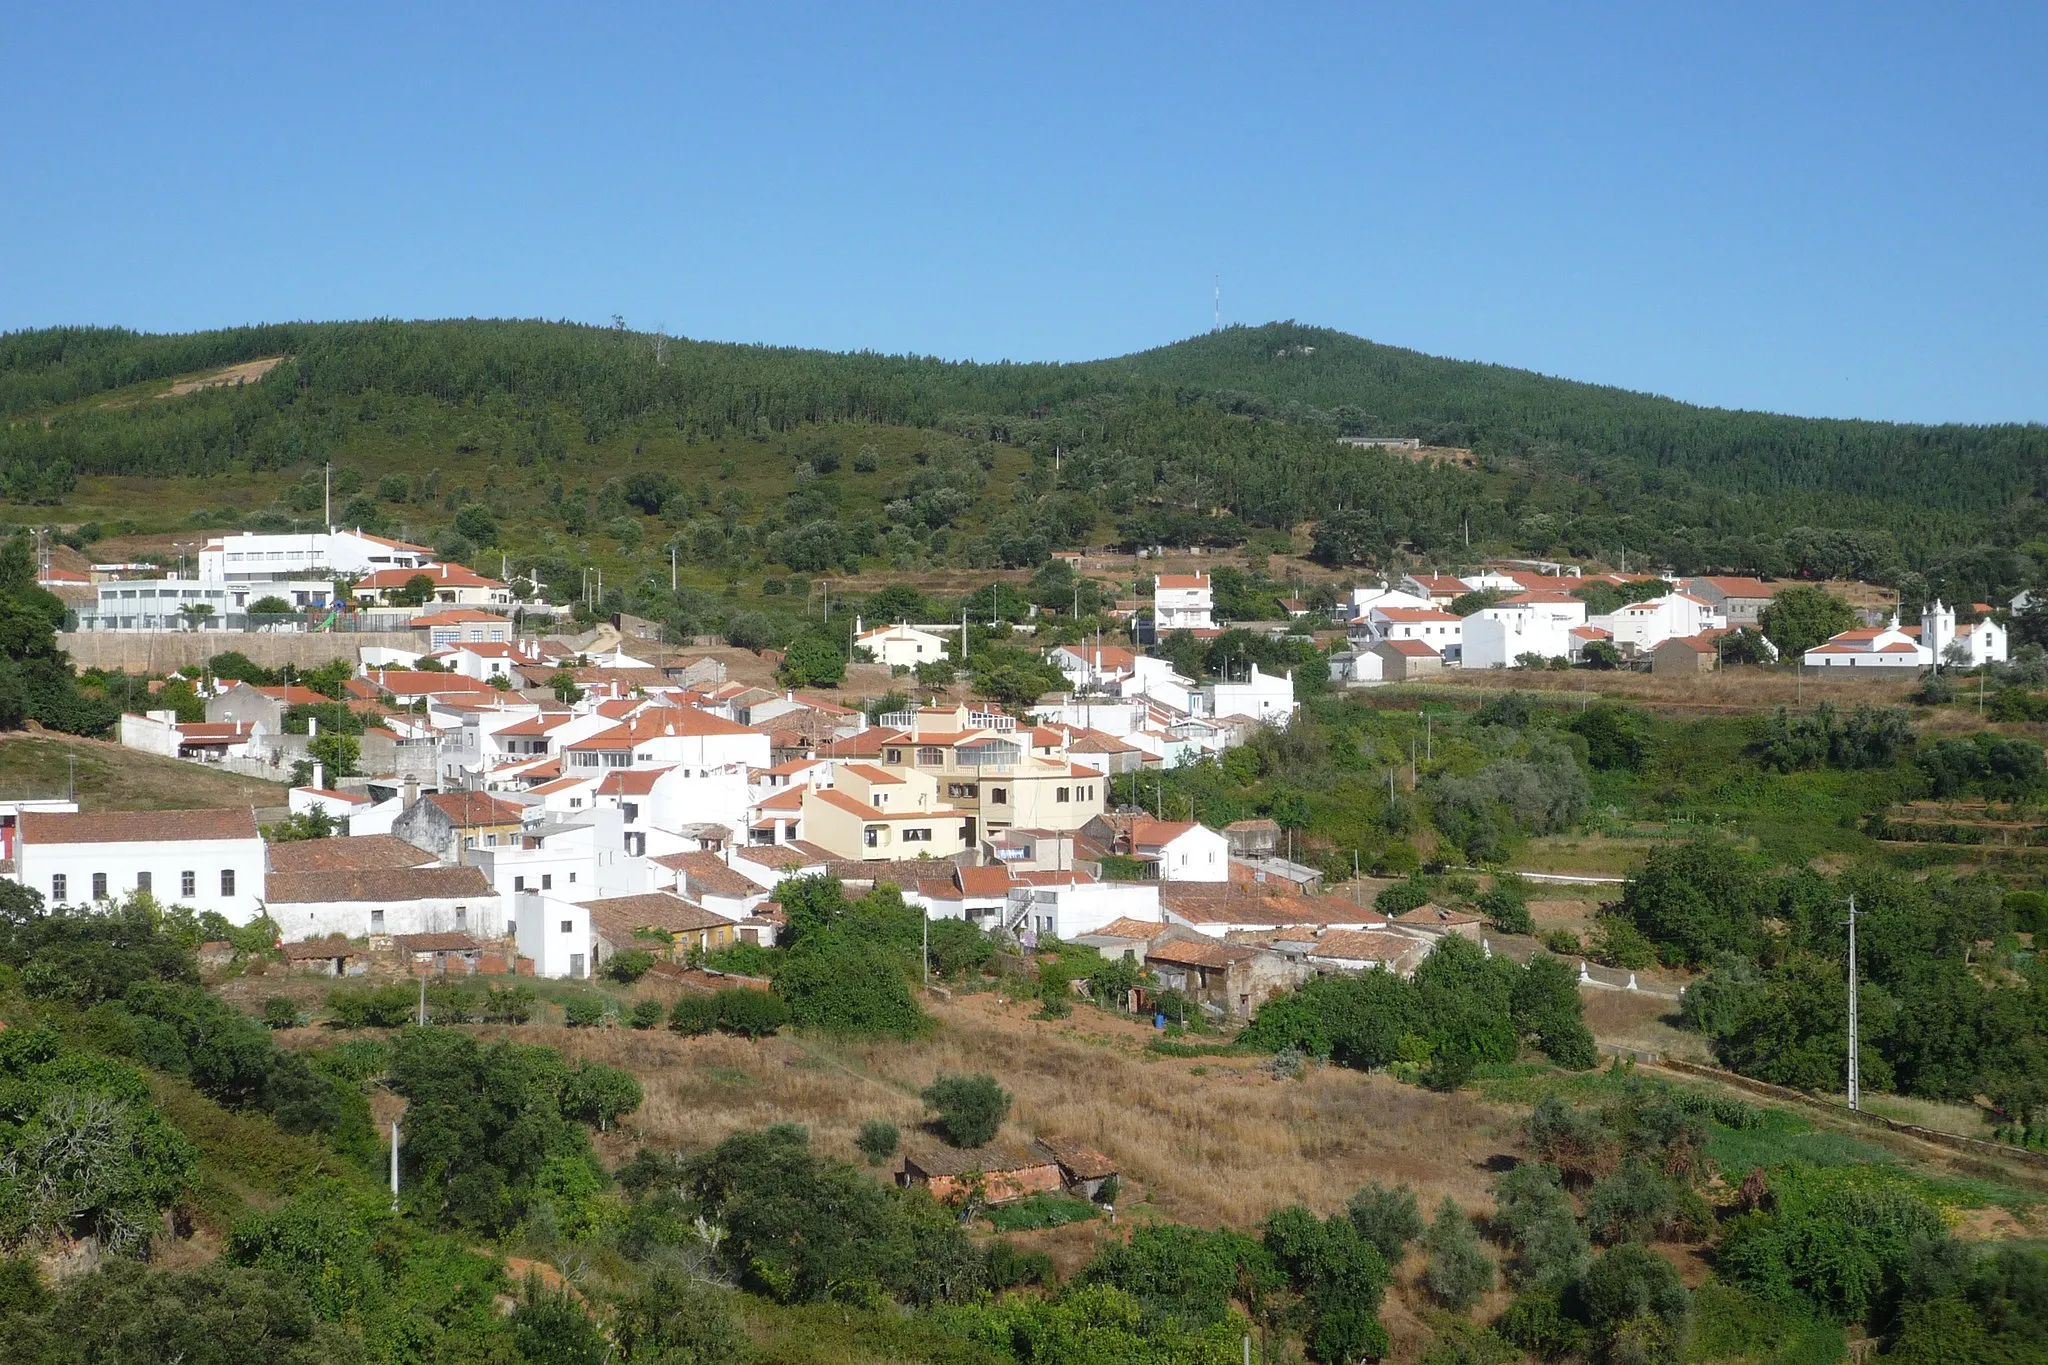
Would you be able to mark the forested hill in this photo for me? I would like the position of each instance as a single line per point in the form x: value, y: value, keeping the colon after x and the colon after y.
x: 1208, y: 438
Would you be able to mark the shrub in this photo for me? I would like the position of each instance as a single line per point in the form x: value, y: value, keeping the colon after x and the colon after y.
x: 1636, y: 1304
x: 1459, y: 1271
x: 647, y: 1014
x: 1506, y: 911
x: 694, y: 1014
x: 1402, y: 896
x: 1386, y: 1216
x: 629, y: 966
x: 1538, y: 1324
x: 279, y: 1012
x: 1535, y: 1217
x: 1631, y: 1205
x: 971, y: 1108
x: 585, y: 1010
x: 509, y: 1004
x: 750, y: 1013
x: 1618, y: 943
x: 390, y: 1006
x: 1009, y: 1268
x: 1055, y: 989
x: 1563, y: 942
x: 877, y: 1140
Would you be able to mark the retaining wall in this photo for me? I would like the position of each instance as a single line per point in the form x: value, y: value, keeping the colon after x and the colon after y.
x: 148, y: 651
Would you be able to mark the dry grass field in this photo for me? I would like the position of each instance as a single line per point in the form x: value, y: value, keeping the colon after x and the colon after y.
x: 1209, y: 1141
x: 110, y: 777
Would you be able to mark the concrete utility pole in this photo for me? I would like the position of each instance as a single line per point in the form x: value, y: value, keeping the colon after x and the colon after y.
x: 1855, y: 1068
x: 394, y: 1163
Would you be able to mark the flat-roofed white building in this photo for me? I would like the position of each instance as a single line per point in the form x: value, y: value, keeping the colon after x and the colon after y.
x: 1182, y: 601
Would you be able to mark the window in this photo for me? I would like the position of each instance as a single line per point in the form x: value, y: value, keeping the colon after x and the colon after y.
x: 99, y: 886
x: 1060, y: 794
x: 568, y: 926
x: 490, y: 841
x: 547, y: 880
x: 999, y: 795
x: 895, y: 755
x: 632, y: 809
x: 376, y: 921
x: 519, y: 883
x: 462, y: 917
x: 931, y: 757
x: 60, y: 886
x: 871, y: 837
x: 188, y: 884
x: 227, y: 881
x: 917, y: 836
x: 142, y: 881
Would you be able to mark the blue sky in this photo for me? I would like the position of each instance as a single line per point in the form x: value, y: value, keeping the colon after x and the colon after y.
x: 1828, y: 209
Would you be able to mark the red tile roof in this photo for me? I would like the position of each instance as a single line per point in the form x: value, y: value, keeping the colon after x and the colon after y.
x: 1181, y: 580
x: 376, y: 884
x: 138, y: 826
x: 1413, y: 649
x: 468, y: 810
x: 331, y: 855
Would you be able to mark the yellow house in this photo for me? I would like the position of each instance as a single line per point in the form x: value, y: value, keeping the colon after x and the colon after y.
x: 995, y: 771
x: 872, y: 814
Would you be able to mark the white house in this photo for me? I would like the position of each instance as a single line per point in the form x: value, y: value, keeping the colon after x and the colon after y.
x: 901, y: 646
x: 1262, y: 696
x: 205, y: 859
x: 1182, y: 601
x: 1363, y: 600
x: 1440, y: 630
x: 1184, y: 851
x: 449, y: 584
x: 1434, y: 589
x: 1090, y: 667
x: 1885, y: 646
x: 1498, y: 640
x: 554, y: 933
x: 1640, y: 627
x: 1066, y: 906
x: 374, y: 901
x: 264, y: 561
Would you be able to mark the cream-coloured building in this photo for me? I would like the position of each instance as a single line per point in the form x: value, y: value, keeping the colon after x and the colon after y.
x: 875, y: 814
x: 996, y: 773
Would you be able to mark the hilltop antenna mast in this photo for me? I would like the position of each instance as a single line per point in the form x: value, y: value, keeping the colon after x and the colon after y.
x: 1217, y: 326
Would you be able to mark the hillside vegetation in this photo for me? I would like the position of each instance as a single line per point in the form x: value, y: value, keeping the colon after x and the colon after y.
x: 602, y: 446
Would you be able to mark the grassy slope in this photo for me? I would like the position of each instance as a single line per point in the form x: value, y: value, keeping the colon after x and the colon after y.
x: 112, y: 778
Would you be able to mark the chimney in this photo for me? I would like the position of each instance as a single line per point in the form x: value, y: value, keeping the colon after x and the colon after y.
x: 412, y: 792
x: 319, y: 774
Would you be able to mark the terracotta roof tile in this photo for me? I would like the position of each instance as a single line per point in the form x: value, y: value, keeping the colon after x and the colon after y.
x: 362, y: 853
x: 138, y: 827
x: 385, y: 884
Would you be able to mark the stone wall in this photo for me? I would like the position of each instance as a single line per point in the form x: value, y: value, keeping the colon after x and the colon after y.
x: 137, y: 651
